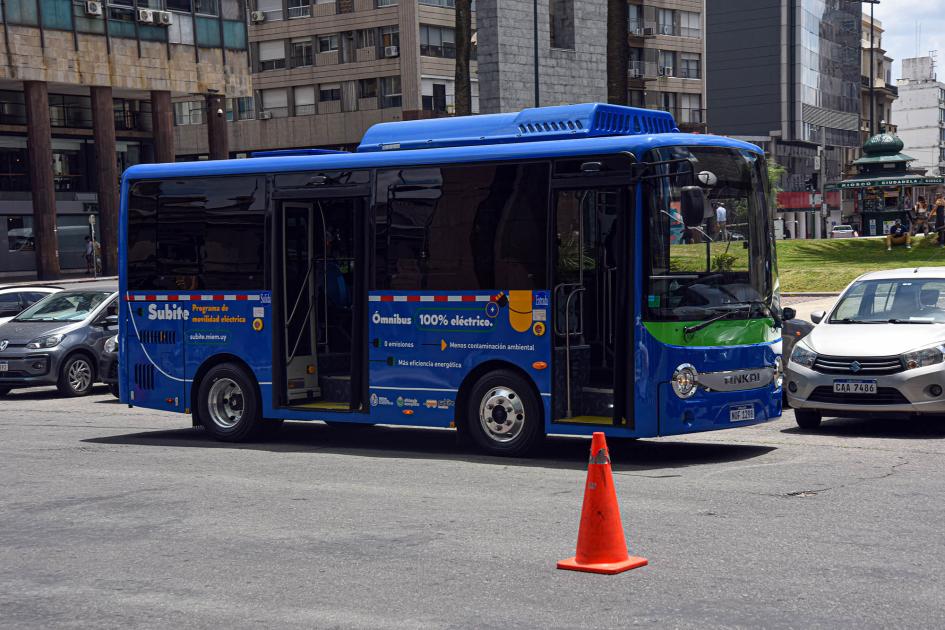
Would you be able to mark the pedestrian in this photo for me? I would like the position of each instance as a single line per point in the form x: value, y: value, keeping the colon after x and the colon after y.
x: 940, y: 219
x: 89, y: 255
x: 921, y: 216
x: 721, y: 215
x: 898, y: 235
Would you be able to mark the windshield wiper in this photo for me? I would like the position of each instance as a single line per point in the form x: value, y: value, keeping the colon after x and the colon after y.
x: 688, y: 330
x: 895, y: 320
x: 850, y: 320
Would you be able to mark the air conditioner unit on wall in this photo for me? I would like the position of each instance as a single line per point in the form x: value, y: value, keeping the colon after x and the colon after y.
x: 391, y: 51
x: 649, y: 31
x: 165, y: 18
x: 146, y: 15
x: 93, y: 8
x: 257, y: 16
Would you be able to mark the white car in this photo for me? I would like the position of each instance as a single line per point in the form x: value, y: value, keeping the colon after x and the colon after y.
x: 843, y: 231
x: 14, y: 300
x: 880, y: 351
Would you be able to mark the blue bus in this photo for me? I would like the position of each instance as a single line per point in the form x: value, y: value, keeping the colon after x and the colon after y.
x: 560, y: 270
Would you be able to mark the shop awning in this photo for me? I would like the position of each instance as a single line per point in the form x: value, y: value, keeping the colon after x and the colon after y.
x: 871, y: 182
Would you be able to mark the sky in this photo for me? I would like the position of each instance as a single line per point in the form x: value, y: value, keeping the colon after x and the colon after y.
x: 899, y: 19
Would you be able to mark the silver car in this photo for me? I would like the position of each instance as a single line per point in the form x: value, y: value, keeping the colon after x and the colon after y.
x: 59, y: 341
x: 878, y: 352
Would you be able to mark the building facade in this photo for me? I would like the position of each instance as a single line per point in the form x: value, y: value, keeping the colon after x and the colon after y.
x: 920, y: 114
x: 667, y: 54
x: 876, y: 108
x: 87, y: 87
x: 325, y: 71
x: 785, y: 74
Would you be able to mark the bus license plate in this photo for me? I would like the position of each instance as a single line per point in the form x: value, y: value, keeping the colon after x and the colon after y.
x: 854, y: 387
x: 741, y: 414
x: 4, y: 366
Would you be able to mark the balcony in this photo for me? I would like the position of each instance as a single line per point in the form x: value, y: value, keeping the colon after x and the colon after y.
x: 643, y: 70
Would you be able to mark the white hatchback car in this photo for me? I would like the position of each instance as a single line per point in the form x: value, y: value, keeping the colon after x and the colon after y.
x: 14, y: 300
x: 880, y: 351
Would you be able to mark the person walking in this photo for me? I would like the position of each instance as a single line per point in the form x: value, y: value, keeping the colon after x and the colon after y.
x: 89, y: 255
x: 940, y: 219
x: 721, y: 216
x: 921, y: 216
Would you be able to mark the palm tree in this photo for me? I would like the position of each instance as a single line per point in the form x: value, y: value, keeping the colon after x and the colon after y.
x: 618, y: 51
x: 463, y: 89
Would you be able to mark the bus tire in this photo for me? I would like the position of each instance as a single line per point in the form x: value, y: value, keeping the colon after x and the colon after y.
x: 807, y: 418
x: 228, y: 405
x: 504, y: 415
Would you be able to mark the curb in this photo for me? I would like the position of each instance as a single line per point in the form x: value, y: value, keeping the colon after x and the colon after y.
x: 59, y: 282
x: 810, y: 294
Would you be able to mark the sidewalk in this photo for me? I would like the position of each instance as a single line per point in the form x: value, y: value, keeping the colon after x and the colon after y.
x: 66, y: 280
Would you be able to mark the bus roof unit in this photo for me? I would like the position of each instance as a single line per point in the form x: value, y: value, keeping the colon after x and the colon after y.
x: 589, y: 120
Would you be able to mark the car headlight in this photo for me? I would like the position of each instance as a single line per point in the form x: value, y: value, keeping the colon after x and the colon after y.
x: 49, y: 341
x: 778, y: 373
x: 112, y: 344
x: 923, y: 357
x: 685, y: 380
x: 802, y: 356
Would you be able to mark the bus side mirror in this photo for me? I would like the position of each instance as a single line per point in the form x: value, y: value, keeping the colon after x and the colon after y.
x: 788, y: 313
x: 692, y: 205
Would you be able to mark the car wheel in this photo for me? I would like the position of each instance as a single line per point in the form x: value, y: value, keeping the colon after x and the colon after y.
x: 807, y: 418
x: 227, y: 404
x: 76, y: 376
x: 113, y: 389
x: 503, y: 415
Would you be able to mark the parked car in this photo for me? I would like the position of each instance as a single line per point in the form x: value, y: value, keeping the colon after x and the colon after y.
x: 59, y: 341
x: 13, y: 300
x: 108, y: 365
x: 843, y: 231
x: 880, y: 351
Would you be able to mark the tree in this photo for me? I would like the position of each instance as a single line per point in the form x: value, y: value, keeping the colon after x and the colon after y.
x: 462, y: 86
x: 775, y: 173
x: 618, y: 51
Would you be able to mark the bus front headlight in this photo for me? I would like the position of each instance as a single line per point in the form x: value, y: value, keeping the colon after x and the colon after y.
x: 685, y: 380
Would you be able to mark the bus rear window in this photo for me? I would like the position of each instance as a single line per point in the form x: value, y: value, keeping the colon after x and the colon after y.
x: 197, y: 233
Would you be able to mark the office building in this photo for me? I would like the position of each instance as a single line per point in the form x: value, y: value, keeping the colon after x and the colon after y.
x: 87, y: 88
x: 325, y: 71
x: 785, y: 74
x: 884, y: 91
x: 920, y: 114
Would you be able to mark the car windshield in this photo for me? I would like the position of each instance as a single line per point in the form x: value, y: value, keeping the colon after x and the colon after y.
x: 900, y: 301
x: 67, y: 306
x: 727, y: 262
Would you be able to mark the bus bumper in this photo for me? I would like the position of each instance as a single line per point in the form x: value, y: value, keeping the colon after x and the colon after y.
x: 710, y: 411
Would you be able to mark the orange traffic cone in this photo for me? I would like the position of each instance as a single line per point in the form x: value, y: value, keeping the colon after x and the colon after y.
x: 601, y: 546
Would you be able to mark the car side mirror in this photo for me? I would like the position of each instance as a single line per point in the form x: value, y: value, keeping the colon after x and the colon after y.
x: 109, y: 321
x: 692, y: 205
x: 818, y: 316
x: 788, y: 313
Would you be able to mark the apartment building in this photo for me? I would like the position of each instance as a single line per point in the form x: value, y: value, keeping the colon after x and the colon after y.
x: 920, y: 114
x: 85, y: 90
x: 324, y: 71
x: 565, y: 60
x: 884, y: 90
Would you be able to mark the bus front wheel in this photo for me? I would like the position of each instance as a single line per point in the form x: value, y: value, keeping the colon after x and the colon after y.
x: 503, y: 414
x: 227, y: 403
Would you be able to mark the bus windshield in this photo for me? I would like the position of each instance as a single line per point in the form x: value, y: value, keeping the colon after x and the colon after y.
x: 726, y: 263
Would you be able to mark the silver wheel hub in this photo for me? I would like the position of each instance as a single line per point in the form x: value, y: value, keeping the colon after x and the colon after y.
x: 225, y: 403
x: 502, y: 414
x: 79, y: 375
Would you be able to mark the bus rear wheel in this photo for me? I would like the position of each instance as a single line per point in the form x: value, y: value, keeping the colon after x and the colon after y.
x: 227, y: 404
x: 503, y: 414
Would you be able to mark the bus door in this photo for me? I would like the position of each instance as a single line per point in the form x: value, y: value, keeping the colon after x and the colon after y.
x: 591, y: 268
x: 319, y: 292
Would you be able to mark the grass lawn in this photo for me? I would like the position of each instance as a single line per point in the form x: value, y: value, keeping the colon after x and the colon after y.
x: 822, y: 265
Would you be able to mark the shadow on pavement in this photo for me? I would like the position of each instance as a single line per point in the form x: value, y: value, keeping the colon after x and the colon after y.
x: 402, y: 442
x: 48, y: 393
x: 907, y: 429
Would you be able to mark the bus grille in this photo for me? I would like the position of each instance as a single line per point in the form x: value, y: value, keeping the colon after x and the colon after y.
x: 883, y: 396
x: 158, y: 336
x: 144, y: 375
x: 867, y: 366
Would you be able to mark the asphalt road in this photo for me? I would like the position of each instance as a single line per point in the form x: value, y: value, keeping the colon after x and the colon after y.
x: 113, y: 517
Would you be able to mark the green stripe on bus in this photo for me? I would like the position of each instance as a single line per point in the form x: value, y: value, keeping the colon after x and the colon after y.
x: 721, y: 333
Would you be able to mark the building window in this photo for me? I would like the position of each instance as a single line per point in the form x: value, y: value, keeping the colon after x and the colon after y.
x: 328, y: 92
x: 305, y: 100
x: 272, y: 55
x: 437, y: 95
x: 275, y: 102
x: 67, y: 110
x: 390, y: 36
x: 668, y: 102
x: 390, y: 92
x: 690, y: 24
x: 328, y: 43
x: 386, y: 3
x: 561, y: 16
x: 449, y: 4
x: 635, y: 19
x: 690, y: 65
x: 207, y: 7
x: 14, y: 175
x: 366, y: 38
x: 190, y: 113
x: 690, y: 109
x: 184, y: 6
x: 666, y: 22
x: 437, y: 41
x: 299, y: 9
x: 367, y: 88
x: 667, y: 63
x: 637, y: 98
x: 272, y: 9
x: 301, y: 52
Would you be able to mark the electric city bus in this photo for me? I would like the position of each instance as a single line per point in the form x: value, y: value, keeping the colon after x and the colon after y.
x: 555, y: 271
